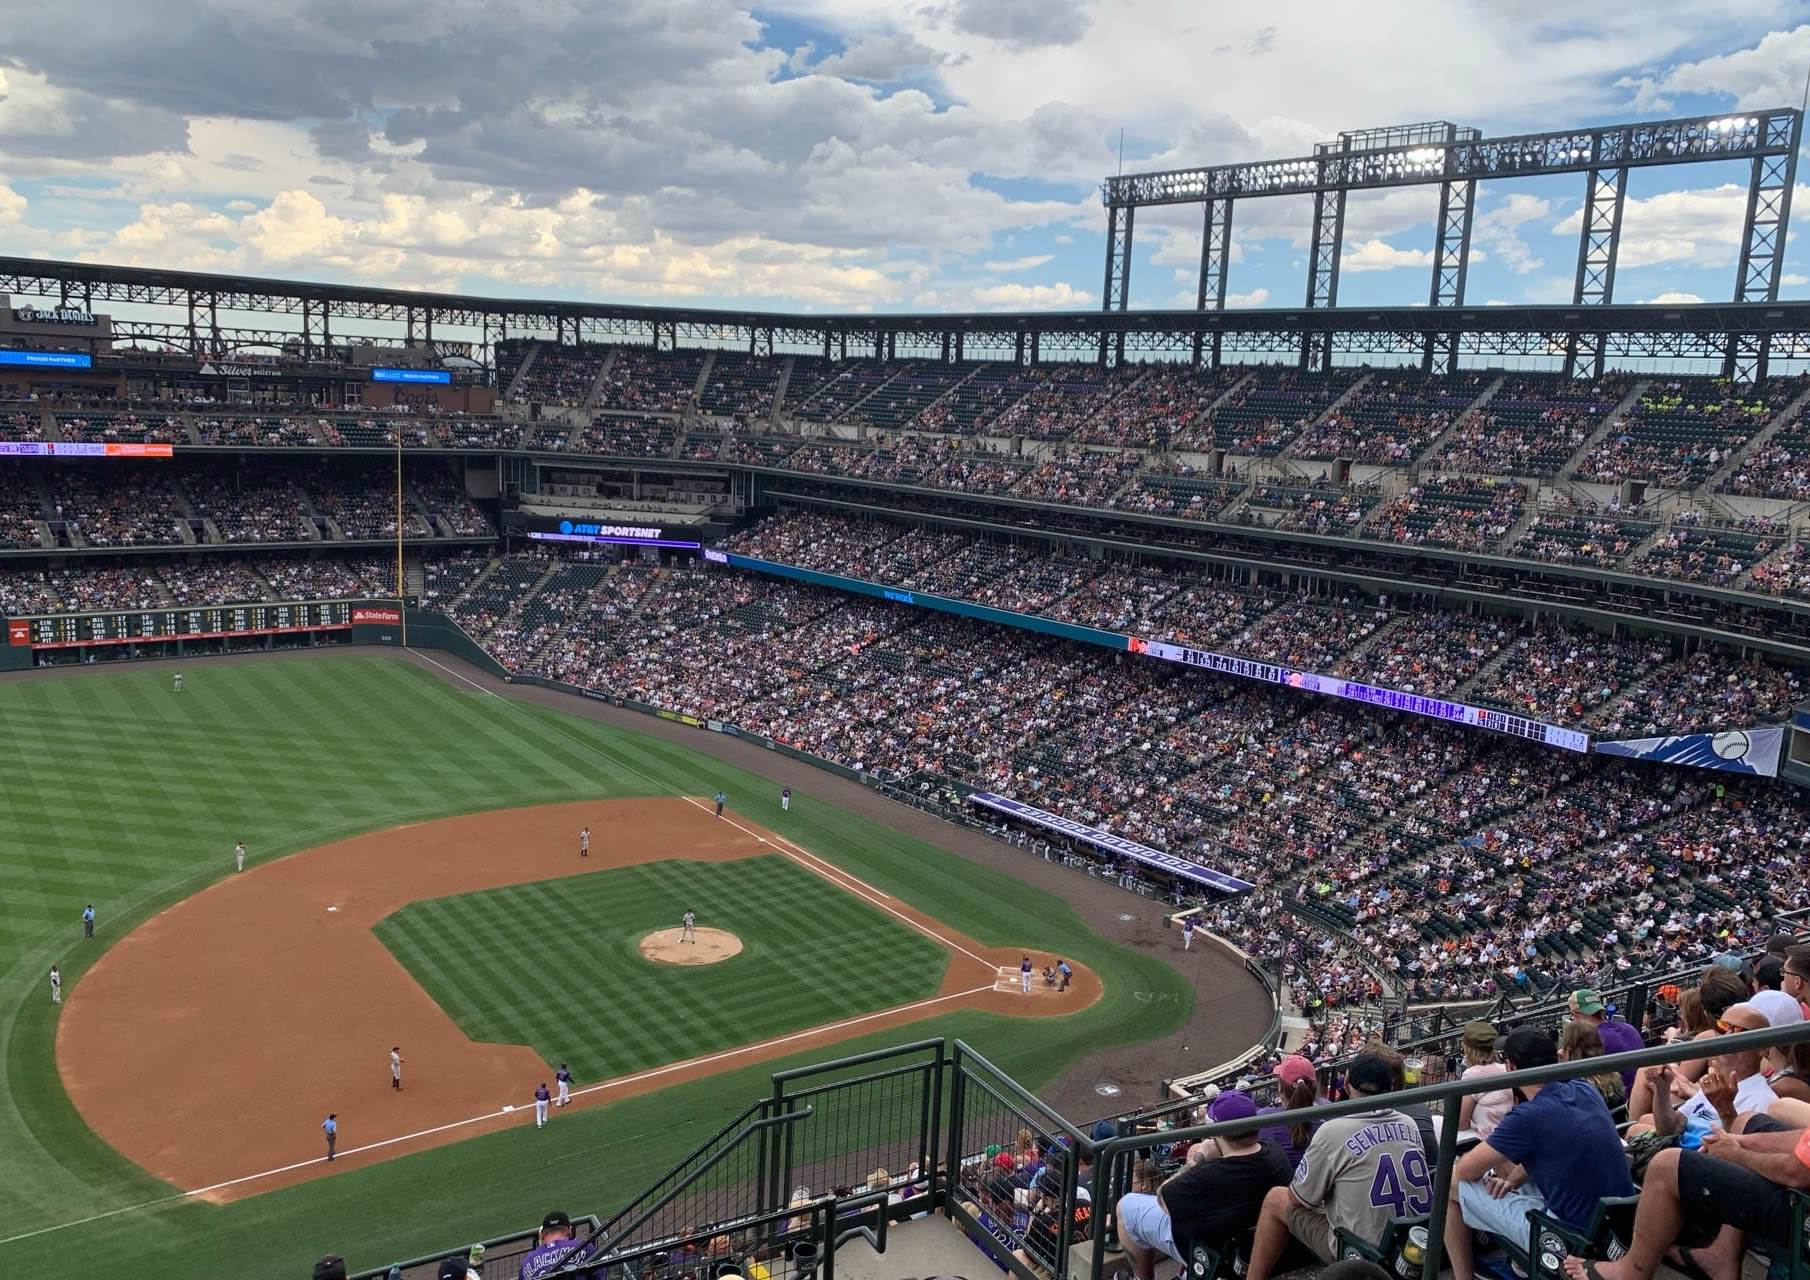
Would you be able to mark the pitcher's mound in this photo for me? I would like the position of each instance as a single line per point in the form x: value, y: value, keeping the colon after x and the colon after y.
x: 663, y: 946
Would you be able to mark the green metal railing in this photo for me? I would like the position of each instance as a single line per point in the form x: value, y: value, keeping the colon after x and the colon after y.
x: 1113, y: 1158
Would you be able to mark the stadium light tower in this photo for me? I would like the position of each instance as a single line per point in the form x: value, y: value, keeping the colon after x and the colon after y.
x: 1456, y: 159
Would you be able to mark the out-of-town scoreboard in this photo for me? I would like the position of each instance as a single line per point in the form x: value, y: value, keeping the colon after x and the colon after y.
x: 68, y: 631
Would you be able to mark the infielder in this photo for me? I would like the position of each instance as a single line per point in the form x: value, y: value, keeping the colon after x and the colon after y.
x: 56, y: 986
x: 785, y: 800
x: 688, y: 931
x: 396, y: 1066
x: 584, y: 843
x: 563, y: 1078
x: 330, y: 1127
x: 1024, y: 974
x: 239, y: 854
x: 1187, y: 931
x: 719, y: 803
x: 541, y: 1097
x: 179, y: 682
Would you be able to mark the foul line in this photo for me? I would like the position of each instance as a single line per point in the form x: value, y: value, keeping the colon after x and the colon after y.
x: 508, y: 1110
x: 841, y: 879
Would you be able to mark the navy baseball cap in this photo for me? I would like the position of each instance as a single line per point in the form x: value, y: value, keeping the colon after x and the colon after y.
x: 1529, y: 1047
x: 1369, y: 1074
x: 331, y: 1267
x: 454, y: 1268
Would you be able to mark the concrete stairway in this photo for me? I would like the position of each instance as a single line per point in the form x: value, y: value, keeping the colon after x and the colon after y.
x: 1603, y: 428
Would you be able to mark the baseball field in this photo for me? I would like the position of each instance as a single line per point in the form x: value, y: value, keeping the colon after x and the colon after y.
x: 414, y: 877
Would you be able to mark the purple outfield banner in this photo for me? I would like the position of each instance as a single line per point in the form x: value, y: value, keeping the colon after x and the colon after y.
x: 1416, y: 704
x: 1111, y: 843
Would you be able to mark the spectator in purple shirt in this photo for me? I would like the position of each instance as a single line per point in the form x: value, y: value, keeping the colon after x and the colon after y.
x: 555, y: 1250
x: 1618, y: 1037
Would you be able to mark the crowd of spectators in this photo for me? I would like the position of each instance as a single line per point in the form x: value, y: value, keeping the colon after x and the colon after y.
x: 443, y: 494
x: 21, y: 511
x: 1351, y: 811
x: 650, y: 381
x: 1571, y: 535
x: 256, y: 431
x: 1085, y: 477
x: 362, y: 502
x: 21, y: 424
x: 559, y: 374
x: 1682, y: 430
x: 1451, y: 511
x: 250, y: 503
x: 1529, y: 426
x: 742, y: 387
x: 1717, y: 556
x: 121, y: 428
x: 121, y: 509
x: 1312, y: 510
x: 1390, y: 418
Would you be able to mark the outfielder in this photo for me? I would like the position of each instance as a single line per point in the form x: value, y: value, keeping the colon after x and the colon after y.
x: 396, y: 1066
x: 785, y: 800
x: 584, y: 843
x: 541, y: 1098
x: 179, y: 682
x: 239, y: 855
x: 688, y: 931
x: 56, y: 986
x: 563, y: 1078
x: 1024, y: 974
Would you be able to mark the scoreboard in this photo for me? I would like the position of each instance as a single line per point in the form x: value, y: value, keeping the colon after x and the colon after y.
x: 69, y: 631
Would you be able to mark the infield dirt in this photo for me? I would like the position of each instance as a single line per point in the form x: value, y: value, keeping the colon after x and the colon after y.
x: 208, y: 1045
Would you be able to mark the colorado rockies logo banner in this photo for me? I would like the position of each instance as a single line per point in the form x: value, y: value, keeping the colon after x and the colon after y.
x: 1750, y: 751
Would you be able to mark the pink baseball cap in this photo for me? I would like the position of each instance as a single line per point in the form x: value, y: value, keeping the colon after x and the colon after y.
x: 1294, y: 1069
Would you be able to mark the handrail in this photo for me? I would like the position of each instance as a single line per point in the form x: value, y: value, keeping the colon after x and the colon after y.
x: 716, y: 1157
x: 1107, y: 1153
x: 697, y: 1151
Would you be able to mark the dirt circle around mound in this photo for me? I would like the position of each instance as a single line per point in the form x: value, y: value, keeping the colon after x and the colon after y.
x: 154, y: 1044
x: 668, y: 946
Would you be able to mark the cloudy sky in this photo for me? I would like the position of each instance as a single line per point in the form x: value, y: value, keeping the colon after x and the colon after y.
x: 842, y: 154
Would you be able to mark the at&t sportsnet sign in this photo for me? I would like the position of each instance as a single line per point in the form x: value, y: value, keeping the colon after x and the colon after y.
x: 644, y: 535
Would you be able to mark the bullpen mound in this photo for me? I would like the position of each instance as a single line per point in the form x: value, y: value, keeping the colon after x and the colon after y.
x: 663, y: 946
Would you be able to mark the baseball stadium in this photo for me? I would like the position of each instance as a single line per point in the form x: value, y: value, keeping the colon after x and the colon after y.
x: 500, y: 787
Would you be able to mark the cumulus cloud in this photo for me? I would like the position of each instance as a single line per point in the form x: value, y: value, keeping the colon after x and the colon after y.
x: 1499, y: 229
x: 1769, y: 73
x: 663, y: 147
x: 1700, y: 226
x: 1022, y: 24
x: 1376, y: 255
x: 1060, y: 296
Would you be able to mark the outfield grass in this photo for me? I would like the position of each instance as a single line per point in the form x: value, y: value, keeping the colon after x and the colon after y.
x: 585, y: 996
x: 120, y: 792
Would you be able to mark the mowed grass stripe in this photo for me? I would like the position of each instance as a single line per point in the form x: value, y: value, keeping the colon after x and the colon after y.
x: 121, y: 792
x: 812, y: 954
x: 388, y: 743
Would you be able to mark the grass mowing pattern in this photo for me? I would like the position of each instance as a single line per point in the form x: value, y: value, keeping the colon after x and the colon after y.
x: 811, y: 954
x: 119, y: 791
